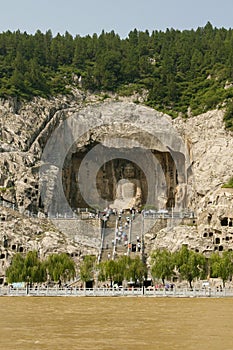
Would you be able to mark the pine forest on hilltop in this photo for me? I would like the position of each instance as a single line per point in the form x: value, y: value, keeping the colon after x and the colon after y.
x: 182, y: 70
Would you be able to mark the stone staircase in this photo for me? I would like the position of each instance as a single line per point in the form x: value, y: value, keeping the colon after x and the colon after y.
x: 89, y: 233
x: 135, y: 231
x: 116, y: 244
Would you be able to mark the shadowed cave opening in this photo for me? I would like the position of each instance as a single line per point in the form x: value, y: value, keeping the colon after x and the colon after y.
x: 111, y: 172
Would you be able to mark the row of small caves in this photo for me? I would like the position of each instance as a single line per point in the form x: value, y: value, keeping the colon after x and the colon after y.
x: 220, y: 239
x: 217, y: 242
x: 9, y: 247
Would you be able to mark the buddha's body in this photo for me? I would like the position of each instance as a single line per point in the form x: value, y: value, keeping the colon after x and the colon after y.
x: 128, y: 192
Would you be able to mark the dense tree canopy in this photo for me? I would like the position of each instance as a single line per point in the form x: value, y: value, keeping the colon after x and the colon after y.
x: 185, y: 264
x: 162, y: 264
x: 30, y: 268
x: 87, y: 268
x: 222, y: 266
x: 60, y: 267
x: 26, y: 269
x: 125, y: 268
x: 190, y: 264
x: 180, y: 69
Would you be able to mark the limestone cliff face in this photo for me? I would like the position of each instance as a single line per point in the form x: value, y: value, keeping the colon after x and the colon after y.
x: 26, y: 127
x: 24, y: 131
x: 211, y: 152
x: 20, y: 233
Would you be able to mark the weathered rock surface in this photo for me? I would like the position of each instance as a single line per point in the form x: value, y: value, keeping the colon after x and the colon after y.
x: 19, y: 233
x: 211, y: 152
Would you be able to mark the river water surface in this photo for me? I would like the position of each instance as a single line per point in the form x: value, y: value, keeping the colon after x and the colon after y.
x: 126, y: 323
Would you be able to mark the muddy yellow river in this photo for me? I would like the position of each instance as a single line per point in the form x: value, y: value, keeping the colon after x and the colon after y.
x: 126, y: 323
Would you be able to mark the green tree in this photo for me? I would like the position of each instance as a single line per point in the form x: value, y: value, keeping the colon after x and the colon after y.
x: 80, y: 55
x: 228, y: 116
x: 35, y: 80
x: 87, y: 268
x: 108, y: 270
x: 190, y: 264
x: 123, y: 266
x: 108, y: 70
x: 26, y: 269
x: 60, y: 267
x: 162, y: 264
x: 34, y: 269
x: 137, y: 270
x: 222, y: 266
x: 15, y: 272
x: 19, y: 66
x: 40, y: 46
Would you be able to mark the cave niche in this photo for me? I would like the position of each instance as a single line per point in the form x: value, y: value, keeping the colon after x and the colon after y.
x: 111, y: 172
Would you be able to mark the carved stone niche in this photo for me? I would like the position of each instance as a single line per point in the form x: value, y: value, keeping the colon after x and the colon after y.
x: 108, y: 175
x: 123, y: 131
x: 111, y: 172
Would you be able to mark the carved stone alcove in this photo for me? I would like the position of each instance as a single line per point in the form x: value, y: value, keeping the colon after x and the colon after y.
x: 98, y: 141
x: 111, y: 172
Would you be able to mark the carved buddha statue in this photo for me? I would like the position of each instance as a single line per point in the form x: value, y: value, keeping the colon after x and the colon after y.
x: 128, y: 191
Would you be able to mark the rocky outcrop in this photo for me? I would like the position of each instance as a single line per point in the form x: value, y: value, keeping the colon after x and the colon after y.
x: 211, y: 152
x: 20, y: 233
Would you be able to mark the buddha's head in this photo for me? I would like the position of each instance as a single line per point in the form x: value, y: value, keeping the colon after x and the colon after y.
x: 129, y: 171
